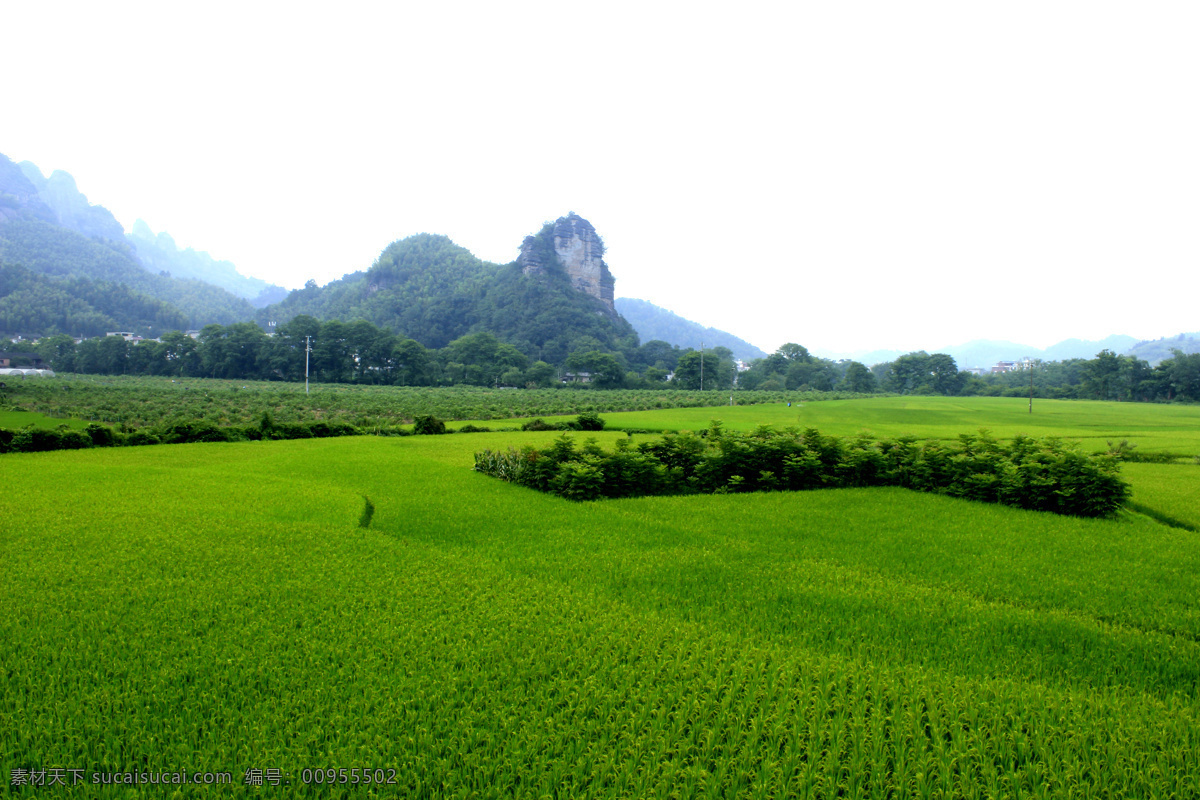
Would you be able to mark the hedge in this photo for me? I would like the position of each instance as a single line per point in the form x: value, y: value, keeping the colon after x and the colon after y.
x: 1043, y: 474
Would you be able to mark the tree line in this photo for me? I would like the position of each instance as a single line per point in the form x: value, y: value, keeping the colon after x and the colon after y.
x: 361, y: 352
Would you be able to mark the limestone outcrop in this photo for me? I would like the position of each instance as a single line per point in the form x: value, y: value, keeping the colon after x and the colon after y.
x: 577, y: 250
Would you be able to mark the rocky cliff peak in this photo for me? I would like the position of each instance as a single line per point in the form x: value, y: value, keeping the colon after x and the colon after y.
x: 18, y: 194
x: 577, y: 250
x: 70, y: 207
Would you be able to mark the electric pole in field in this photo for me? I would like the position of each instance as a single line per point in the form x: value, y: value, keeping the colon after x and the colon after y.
x: 702, y: 366
x: 1029, y: 364
x: 307, y: 349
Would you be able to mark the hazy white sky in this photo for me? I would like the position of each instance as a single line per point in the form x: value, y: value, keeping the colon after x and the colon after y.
x: 848, y: 175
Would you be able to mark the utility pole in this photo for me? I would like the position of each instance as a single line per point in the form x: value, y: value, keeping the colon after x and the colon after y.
x: 1029, y: 363
x: 702, y: 366
x: 307, y: 348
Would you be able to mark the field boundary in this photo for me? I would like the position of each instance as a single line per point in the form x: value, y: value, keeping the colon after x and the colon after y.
x: 1158, y: 516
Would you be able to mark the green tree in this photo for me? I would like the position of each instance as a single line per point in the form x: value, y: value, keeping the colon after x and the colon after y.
x: 857, y: 378
x: 411, y: 363
x: 689, y: 372
x: 1183, y: 376
x: 541, y: 374
x: 1101, y: 377
x: 58, y: 351
x: 605, y: 369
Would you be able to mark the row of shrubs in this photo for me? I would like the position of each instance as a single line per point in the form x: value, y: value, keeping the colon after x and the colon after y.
x: 587, y: 421
x: 1042, y: 474
x: 40, y: 440
x: 1126, y: 450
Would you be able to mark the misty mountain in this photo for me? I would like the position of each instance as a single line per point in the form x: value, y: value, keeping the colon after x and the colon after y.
x: 48, y: 226
x: 987, y: 352
x: 61, y: 254
x: 652, y: 322
x: 71, y: 208
x: 19, y: 198
x: 159, y: 253
x: 1081, y: 348
x: 1161, y: 349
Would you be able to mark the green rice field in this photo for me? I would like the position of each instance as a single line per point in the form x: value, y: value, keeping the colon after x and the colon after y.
x: 218, y: 607
x: 15, y: 420
x: 1158, y: 427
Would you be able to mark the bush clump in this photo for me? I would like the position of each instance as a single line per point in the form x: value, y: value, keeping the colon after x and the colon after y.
x: 426, y: 425
x: 1045, y: 475
x: 587, y: 421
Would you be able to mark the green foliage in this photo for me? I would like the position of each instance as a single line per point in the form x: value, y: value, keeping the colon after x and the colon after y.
x: 149, y: 401
x: 40, y: 440
x: 708, y: 369
x: 429, y: 289
x: 589, y: 421
x: 428, y: 425
x: 922, y: 373
x: 107, y: 275
x: 1108, y: 376
x: 1045, y: 475
x: 34, y: 303
x: 793, y: 367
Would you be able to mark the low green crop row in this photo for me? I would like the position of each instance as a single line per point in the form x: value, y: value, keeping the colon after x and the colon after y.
x: 1039, y: 474
x: 41, y: 440
x: 142, y: 402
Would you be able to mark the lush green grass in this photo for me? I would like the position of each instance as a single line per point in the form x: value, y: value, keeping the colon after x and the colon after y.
x: 1168, y: 491
x: 1152, y: 427
x: 15, y: 420
x: 218, y: 607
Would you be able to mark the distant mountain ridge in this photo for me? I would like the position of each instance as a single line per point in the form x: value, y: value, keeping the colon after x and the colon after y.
x: 1157, y: 350
x: 159, y: 253
x: 80, y: 273
x: 653, y: 322
x: 57, y: 200
x: 985, y: 353
x: 71, y: 207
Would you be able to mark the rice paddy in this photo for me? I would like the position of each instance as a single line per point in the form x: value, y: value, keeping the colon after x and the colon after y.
x: 219, y: 607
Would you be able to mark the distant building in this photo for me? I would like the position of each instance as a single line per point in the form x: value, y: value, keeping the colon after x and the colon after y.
x: 1010, y: 366
x: 32, y: 360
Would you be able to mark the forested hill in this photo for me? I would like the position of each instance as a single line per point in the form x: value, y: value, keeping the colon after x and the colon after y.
x: 78, y: 255
x: 159, y: 253
x: 58, y: 254
x: 31, y: 302
x: 427, y: 288
x: 652, y: 322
